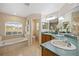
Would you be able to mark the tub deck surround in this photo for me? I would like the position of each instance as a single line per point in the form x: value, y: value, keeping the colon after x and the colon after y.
x: 21, y: 49
x: 12, y: 41
x: 59, y: 51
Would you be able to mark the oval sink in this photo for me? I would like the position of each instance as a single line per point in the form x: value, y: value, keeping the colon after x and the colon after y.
x: 63, y: 44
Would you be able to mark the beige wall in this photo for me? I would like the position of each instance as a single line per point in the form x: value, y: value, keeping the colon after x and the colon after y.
x: 67, y: 8
x: 35, y: 18
x: 34, y: 26
x: 9, y: 18
x: 75, y: 19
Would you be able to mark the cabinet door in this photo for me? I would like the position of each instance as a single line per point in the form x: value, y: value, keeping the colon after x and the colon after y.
x: 46, y: 52
x: 43, y: 38
x: 47, y: 38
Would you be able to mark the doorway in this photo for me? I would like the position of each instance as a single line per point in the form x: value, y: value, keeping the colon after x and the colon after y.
x: 35, y: 30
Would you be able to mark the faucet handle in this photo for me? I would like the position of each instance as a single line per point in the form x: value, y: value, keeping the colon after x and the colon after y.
x: 65, y: 39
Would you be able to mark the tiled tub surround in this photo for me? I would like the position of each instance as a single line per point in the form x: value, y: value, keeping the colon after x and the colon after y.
x: 21, y: 48
x: 12, y: 41
x: 60, y: 51
x: 8, y: 46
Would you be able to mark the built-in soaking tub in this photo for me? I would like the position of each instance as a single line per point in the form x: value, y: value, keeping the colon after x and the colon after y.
x: 12, y: 41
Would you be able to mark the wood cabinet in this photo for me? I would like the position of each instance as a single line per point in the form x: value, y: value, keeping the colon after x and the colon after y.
x: 46, y: 52
x: 46, y: 38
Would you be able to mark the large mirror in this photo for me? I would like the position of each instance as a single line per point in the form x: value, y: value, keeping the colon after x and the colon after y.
x: 64, y: 23
x: 53, y: 25
x: 44, y: 25
x: 69, y: 22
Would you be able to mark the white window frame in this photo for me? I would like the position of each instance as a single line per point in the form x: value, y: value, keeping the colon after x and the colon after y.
x: 17, y: 26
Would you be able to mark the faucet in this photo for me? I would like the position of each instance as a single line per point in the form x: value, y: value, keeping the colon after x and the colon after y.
x: 67, y: 43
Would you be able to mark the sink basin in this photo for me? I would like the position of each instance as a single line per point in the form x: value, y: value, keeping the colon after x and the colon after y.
x: 63, y: 44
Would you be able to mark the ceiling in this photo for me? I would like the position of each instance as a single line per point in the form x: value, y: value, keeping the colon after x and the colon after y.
x: 22, y: 9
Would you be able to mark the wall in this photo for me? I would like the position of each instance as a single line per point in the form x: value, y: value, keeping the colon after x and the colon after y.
x: 9, y: 18
x: 33, y: 19
x: 75, y: 19
x: 67, y: 8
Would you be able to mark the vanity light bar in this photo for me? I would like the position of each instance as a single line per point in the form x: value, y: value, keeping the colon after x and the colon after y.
x: 51, y: 18
x: 61, y: 18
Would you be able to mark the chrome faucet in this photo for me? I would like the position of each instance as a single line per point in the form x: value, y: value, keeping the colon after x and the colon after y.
x: 67, y: 43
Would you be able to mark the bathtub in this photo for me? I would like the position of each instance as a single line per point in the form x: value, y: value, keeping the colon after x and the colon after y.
x: 12, y: 41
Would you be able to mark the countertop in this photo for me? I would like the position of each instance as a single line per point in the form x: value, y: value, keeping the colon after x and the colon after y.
x: 60, y: 51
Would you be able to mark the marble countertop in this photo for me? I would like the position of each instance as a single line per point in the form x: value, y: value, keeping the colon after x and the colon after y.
x: 60, y: 51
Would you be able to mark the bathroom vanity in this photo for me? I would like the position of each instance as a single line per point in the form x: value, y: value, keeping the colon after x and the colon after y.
x: 50, y: 50
x: 46, y: 38
x: 47, y: 52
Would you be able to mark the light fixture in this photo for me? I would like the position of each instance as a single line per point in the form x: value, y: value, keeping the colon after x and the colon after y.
x: 51, y: 18
x: 43, y: 23
x: 27, y: 4
x: 61, y: 18
x: 14, y: 13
